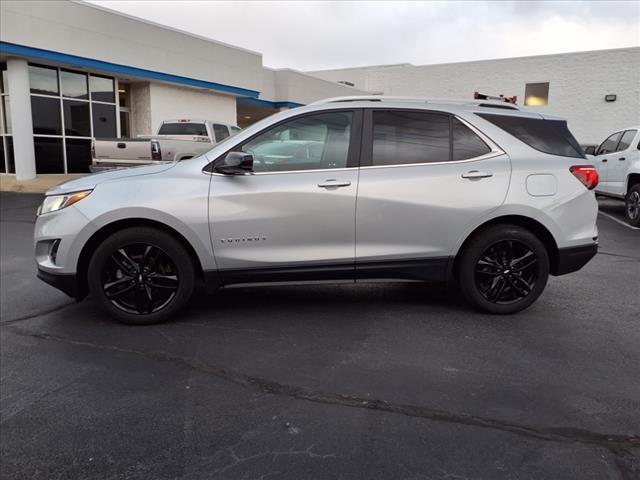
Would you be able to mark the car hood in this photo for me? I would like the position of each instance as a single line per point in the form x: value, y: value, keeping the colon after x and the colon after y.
x: 90, y: 181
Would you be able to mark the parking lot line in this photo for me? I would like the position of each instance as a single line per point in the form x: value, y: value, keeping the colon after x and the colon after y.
x: 618, y: 221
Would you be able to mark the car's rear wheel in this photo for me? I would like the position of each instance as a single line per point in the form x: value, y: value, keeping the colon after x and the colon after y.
x: 503, y: 269
x: 632, y: 206
x: 141, y: 276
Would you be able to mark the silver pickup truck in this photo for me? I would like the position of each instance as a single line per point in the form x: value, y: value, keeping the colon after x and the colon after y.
x: 176, y: 140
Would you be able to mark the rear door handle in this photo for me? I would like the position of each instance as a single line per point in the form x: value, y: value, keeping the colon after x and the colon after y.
x: 604, y: 160
x: 476, y: 174
x: 333, y: 183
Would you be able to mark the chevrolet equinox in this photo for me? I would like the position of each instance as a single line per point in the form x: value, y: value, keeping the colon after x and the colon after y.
x: 489, y: 195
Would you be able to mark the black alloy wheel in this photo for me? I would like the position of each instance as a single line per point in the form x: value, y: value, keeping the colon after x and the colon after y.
x: 140, y: 278
x: 506, y: 272
x: 141, y: 275
x: 502, y: 269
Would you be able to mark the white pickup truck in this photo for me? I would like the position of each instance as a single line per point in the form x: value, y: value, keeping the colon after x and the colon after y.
x: 176, y: 140
x: 617, y: 160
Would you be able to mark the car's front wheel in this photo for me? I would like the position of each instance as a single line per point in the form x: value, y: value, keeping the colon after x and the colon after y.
x: 503, y: 269
x: 141, y: 276
x: 632, y: 206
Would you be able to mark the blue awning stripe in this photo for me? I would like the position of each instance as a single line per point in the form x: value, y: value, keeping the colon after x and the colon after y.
x: 37, y: 53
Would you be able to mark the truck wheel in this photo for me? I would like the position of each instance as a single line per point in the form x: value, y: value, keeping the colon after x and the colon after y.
x: 141, y: 276
x: 503, y: 269
x: 632, y: 206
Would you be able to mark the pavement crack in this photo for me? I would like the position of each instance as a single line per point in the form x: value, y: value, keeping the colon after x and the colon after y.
x: 619, y: 255
x: 613, y: 442
x: 35, y: 315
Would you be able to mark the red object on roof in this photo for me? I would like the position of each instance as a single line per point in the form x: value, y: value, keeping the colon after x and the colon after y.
x: 500, y: 98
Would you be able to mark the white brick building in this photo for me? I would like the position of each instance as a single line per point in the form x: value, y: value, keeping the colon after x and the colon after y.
x: 577, y: 85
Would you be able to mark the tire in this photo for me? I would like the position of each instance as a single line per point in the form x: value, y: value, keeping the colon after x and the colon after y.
x: 632, y: 206
x: 495, y: 281
x: 141, y: 276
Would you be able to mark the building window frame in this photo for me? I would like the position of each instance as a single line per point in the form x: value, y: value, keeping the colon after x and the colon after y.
x: 89, y: 100
x: 536, y: 94
x: 5, y: 128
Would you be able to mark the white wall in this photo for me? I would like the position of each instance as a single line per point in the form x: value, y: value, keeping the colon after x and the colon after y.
x: 578, y: 84
x: 307, y: 88
x: 140, y: 115
x: 170, y: 102
x: 88, y: 31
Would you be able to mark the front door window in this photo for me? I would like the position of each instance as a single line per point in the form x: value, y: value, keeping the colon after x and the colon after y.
x: 313, y: 142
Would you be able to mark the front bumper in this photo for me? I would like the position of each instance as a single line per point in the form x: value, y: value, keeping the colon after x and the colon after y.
x: 574, y: 258
x: 66, y: 282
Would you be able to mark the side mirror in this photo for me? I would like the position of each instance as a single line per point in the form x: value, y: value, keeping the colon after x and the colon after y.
x: 235, y: 163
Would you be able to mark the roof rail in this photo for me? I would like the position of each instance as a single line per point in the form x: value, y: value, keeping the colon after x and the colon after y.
x: 369, y: 98
x: 386, y: 98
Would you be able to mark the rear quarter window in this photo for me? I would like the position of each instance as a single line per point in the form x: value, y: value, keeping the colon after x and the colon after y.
x: 466, y: 144
x: 548, y: 136
x: 183, y: 129
x: 220, y: 132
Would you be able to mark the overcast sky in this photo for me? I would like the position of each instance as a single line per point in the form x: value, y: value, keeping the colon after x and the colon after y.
x: 323, y: 35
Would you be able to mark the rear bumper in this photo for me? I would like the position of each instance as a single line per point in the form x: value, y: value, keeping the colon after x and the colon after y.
x: 66, y: 282
x: 574, y: 258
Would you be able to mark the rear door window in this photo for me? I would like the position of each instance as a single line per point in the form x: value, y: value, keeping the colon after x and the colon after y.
x: 183, y: 128
x: 466, y: 143
x: 406, y: 137
x: 548, y: 136
x: 626, y: 140
x: 221, y: 131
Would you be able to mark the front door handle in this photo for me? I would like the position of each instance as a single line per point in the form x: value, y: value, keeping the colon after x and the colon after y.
x: 622, y: 158
x: 473, y: 174
x: 333, y: 183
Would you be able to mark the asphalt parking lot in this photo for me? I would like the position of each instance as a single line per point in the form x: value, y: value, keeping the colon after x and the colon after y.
x: 324, y: 382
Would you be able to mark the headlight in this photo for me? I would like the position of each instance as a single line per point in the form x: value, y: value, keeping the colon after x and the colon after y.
x: 54, y: 203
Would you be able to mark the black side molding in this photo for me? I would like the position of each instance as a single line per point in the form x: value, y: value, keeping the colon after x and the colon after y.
x: 574, y: 258
x: 68, y: 283
x: 425, y: 270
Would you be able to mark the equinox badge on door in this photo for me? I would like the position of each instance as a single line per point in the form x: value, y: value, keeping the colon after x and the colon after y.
x: 258, y: 238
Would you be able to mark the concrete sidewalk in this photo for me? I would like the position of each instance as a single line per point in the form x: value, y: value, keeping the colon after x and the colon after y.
x: 41, y: 184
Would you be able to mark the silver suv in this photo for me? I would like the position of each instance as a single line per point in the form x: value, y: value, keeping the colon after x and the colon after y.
x: 490, y: 195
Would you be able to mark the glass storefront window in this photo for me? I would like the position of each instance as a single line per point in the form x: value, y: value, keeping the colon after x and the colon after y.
x: 11, y: 163
x: 49, y: 156
x: 102, y: 89
x: 78, y: 155
x: 3, y: 80
x: 43, y: 80
x: 77, y: 122
x: 45, y: 113
x: 74, y: 84
x: 104, y: 120
x: 3, y: 166
x: 6, y: 113
x: 124, y: 124
x: 68, y: 108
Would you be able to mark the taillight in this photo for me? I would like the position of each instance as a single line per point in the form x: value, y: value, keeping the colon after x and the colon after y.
x: 587, y: 174
x: 156, y: 154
